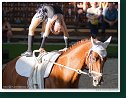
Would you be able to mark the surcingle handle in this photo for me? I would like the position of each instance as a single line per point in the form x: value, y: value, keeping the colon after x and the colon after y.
x: 35, y: 51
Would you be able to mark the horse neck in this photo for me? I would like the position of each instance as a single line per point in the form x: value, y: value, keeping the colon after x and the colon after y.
x: 76, y: 56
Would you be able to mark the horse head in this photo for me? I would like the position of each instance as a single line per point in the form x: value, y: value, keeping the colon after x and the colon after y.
x: 96, y: 59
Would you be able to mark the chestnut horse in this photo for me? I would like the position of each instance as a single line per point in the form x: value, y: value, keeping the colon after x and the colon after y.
x: 91, y: 53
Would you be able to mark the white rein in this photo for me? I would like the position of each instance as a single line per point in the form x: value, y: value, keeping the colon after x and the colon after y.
x: 76, y: 70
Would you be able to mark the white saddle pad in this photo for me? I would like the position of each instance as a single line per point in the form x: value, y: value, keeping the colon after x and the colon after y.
x: 24, y: 65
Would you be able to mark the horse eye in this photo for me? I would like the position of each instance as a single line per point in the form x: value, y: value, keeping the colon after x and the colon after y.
x: 94, y: 59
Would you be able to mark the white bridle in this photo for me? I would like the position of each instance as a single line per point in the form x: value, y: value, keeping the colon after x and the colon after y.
x: 101, y: 52
x: 100, y: 48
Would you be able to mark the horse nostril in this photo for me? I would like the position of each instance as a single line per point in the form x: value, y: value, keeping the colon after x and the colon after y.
x: 95, y: 81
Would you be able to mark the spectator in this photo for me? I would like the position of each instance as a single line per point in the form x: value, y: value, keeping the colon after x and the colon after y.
x: 17, y: 20
x: 85, y: 6
x: 102, y: 6
x: 6, y: 30
x: 93, y: 14
x: 80, y: 17
x: 110, y: 16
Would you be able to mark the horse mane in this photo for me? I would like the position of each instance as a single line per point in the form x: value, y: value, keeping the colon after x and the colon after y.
x: 83, y: 41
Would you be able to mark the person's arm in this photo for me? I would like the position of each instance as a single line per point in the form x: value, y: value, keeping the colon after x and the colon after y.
x: 115, y: 21
x: 105, y: 15
x: 65, y: 32
x: 8, y: 26
x: 104, y: 5
x: 46, y: 33
x: 89, y: 16
x: 84, y: 6
x: 106, y: 20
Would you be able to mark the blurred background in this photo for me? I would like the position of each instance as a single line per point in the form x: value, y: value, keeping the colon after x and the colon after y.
x: 17, y: 16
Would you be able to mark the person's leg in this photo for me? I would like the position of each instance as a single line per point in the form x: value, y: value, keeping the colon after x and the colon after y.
x: 93, y: 30
x: 9, y: 36
x: 103, y: 28
x: 89, y: 25
x: 115, y: 25
x: 34, y: 23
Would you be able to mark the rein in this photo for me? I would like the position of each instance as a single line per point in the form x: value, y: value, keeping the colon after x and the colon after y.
x: 76, y: 70
x: 90, y: 73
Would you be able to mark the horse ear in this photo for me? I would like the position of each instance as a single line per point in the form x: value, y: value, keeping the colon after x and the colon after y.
x: 92, y: 41
x: 106, y: 43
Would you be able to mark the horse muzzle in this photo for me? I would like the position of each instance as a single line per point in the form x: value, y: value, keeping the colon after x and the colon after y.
x: 97, y: 81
